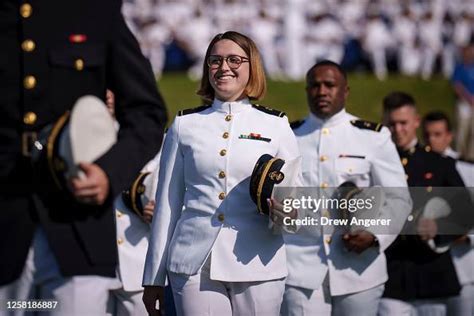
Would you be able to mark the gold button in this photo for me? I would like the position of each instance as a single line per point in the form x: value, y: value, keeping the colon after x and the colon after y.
x: 324, y: 185
x: 25, y: 10
x: 223, y: 152
x: 221, y: 196
x: 119, y: 214
x: 120, y: 241
x: 28, y: 45
x: 29, y: 118
x: 228, y: 117
x: 429, y: 189
x: 404, y: 161
x: 222, y: 174
x: 349, y: 170
x: 79, y: 64
x: 220, y: 217
x: 328, y: 240
x: 29, y: 82
x: 325, y: 131
x: 225, y: 135
x: 323, y: 158
x: 325, y: 213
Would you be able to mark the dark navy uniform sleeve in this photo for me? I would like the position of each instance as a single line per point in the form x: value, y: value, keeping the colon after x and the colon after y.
x: 140, y: 112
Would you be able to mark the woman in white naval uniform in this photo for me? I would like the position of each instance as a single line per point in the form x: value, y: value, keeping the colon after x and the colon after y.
x: 218, y: 252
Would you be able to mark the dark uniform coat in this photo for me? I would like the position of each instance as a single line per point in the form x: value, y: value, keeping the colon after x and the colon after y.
x: 51, y: 53
x: 415, y: 271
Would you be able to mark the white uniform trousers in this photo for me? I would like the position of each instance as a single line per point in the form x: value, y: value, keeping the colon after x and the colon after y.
x: 79, y: 295
x: 422, y: 307
x: 462, y: 305
x: 198, y: 295
x: 299, y: 301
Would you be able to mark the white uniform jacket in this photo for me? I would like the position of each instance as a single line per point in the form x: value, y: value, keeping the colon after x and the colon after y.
x: 208, y: 156
x: 334, y: 151
x: 133, y: 235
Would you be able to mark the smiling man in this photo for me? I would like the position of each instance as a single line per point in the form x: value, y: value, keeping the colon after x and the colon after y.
x: 437, y: 132
x: 420, y: 280
x: 341, y: 272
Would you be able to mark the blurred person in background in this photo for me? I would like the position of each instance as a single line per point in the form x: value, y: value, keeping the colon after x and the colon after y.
x: 420, y: 280
x: 405, y: 32
x: 463, y: 85
x: 62, y: 246
x: 193, y: 36
x: 239, y: 19
x: 133, y: 209
x: 429, y: 31
x: 218, y: 254
x: 324, y: 37
x: 294, y: 27
x: 437, y: 131
x: 133, y: 232
x: 351, y: 15
x: 376, y: 41
x: 449, y: 49
x: 155, y: 36
x: 463, y: 28
x: 265, y: 29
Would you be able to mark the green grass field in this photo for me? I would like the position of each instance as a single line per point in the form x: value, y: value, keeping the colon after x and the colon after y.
x: 365, y: 98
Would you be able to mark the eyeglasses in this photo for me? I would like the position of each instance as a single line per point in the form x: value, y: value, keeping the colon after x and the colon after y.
x: 233, y: 61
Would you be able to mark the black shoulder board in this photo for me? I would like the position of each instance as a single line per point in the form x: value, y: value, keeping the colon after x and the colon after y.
x: 296, y: 124
x: 377, y: 127
x: 268, y: 110
x: 193, y: 110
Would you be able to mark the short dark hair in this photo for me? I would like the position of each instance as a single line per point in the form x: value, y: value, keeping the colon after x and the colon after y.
x: 437, y: 116
x: 327, y: 63
x: 396, y: 100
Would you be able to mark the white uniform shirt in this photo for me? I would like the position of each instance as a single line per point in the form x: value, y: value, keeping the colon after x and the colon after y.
x: 206, y: 165
x: 133, y: 234
x: 334, y: 151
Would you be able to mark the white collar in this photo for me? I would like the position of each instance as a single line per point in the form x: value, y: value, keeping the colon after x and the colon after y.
x: 337, y: 118
x: 412, y: 145
x: 231, y: 107
x: 449, y: 152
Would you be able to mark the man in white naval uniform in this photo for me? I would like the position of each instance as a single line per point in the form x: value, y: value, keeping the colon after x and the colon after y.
x: 347, y: 271
x: 438, y: 135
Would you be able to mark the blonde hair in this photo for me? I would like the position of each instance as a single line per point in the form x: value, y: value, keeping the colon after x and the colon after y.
x: 256, y: 86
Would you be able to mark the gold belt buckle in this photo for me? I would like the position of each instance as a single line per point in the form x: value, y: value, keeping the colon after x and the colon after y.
x: 27, y: 141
